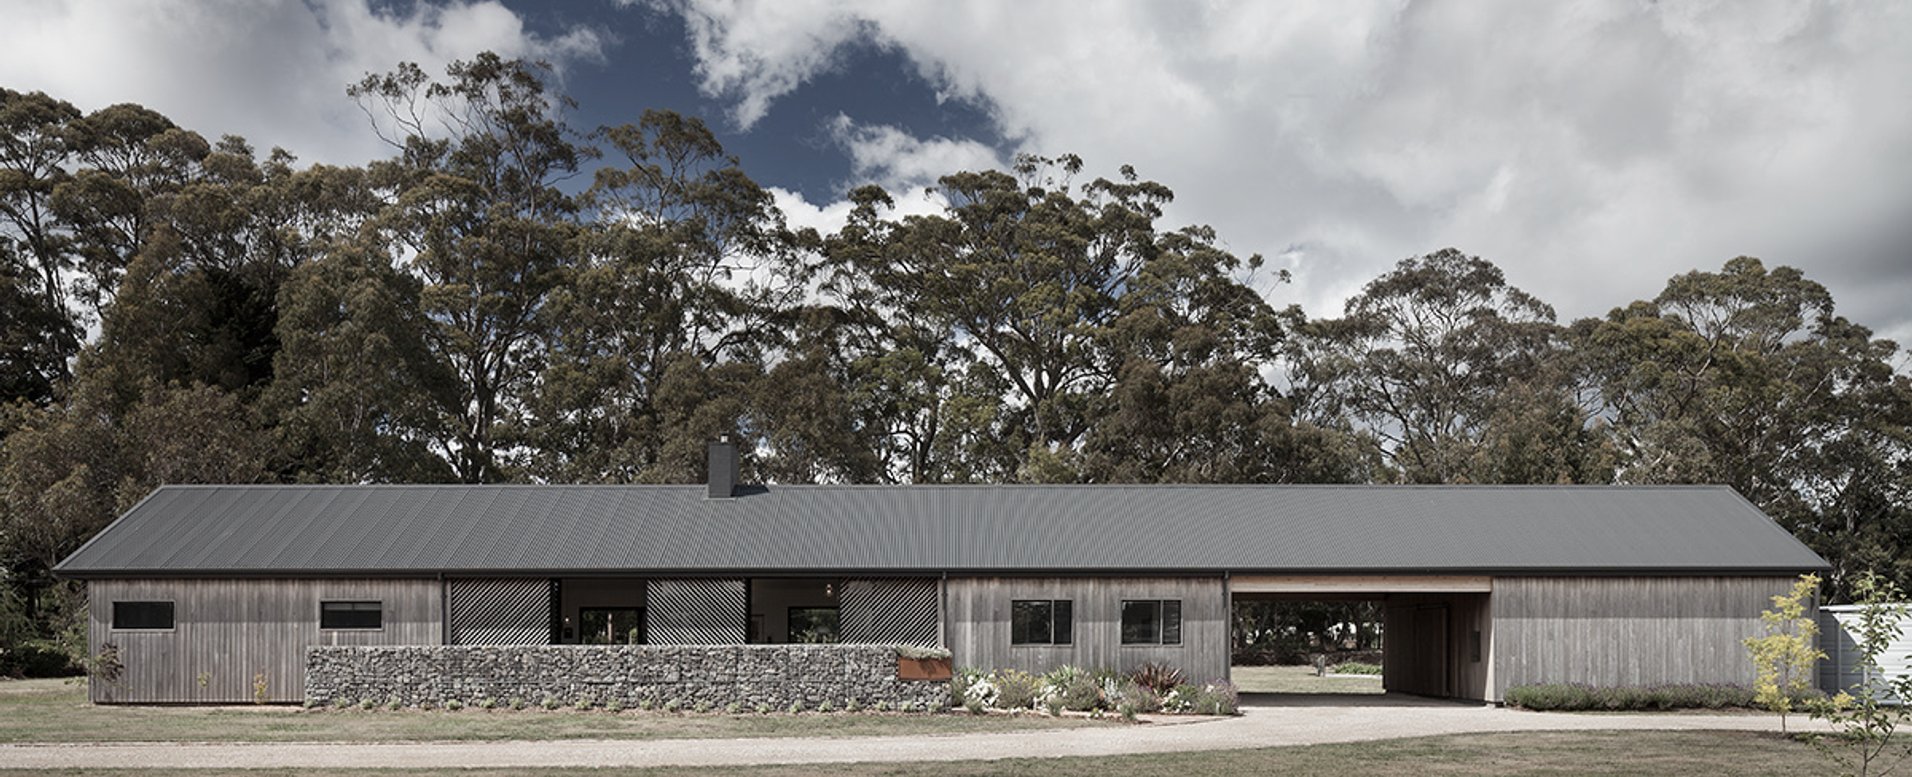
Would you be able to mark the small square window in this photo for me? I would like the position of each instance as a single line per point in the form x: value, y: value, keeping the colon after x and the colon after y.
x: 1152, y: 622
x: 351, y: 615
x: 1041, y: 622
x: 142, y: 616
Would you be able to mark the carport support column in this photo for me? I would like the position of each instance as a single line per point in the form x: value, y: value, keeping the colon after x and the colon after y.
x: 1228, y: 630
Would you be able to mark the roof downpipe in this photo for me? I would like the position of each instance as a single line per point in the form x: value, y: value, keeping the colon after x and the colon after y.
x: 723, y: 468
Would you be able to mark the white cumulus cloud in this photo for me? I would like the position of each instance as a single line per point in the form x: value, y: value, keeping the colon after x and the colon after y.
x: 1593, y: 150
x: 274, y: 71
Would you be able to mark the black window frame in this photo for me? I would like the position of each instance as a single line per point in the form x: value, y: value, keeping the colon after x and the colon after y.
x: 1165, y: 623
x: 353, y: 608
x: 126, y: 615
x: 1060, y: 620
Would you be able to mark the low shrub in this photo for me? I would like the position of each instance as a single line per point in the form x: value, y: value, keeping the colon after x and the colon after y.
x: 1355, y: 667
x: 970, y: 687
x: 1135, y: 697
x: 37, y: 658
x: 1220, y: 697
x: 1016, y: 689
x: 919, y: 652
x: 1081, y: 694
x: 1074, y: 688
x: 1216, y: 698
x: 1157, y: 676
x: 1580, y: 697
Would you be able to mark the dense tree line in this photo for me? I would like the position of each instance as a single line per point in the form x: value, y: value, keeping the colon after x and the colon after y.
x: 505, y: 297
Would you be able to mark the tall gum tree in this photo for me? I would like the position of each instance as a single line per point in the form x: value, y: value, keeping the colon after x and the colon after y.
x: 1422, y: 359
x: 475, y: 211
x: 1747, y: 377
x: 35, y: 152
x: 683, y: 266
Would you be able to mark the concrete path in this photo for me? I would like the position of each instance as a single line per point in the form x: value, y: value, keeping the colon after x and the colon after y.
x: 1294, y: 721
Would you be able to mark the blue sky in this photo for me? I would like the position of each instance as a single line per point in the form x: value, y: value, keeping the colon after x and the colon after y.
x: 1592, y: 150
x: 648, y: 63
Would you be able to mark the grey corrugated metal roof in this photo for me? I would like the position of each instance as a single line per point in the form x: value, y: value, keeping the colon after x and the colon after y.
x: 182, y: 530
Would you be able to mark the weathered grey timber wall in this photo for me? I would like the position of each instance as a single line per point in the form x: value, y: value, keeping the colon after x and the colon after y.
x: 1627, y: 630
x: 978, y: 623
x: 631, y: 675
x: 226, y: 633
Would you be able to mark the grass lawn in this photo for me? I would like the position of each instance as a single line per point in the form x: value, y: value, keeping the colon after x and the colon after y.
x: 1298, y: 679
x: 1576, y: 753
x: 57, y: 711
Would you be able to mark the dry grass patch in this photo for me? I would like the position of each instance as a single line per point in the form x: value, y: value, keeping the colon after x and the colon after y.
x: 1299, y: 679
x: 55, y: 711
x: 1673, y: 754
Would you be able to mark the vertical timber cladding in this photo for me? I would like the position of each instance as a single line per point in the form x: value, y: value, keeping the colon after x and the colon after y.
x: 500, y: 611
x: 978, y: 623
x: 229, y: 637
x: 896, y: 611
x: 1627, y: 630
x: 697, y: 611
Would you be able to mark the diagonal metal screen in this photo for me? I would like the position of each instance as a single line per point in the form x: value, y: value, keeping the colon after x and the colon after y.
x: 900, y: 611
x: 500, y: 611
x: 697, y: 612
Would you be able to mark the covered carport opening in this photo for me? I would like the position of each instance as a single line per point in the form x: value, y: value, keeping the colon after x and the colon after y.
x: 1436, y: 630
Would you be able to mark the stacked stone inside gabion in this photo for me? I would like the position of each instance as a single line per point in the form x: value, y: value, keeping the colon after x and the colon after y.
x: 629, y: 676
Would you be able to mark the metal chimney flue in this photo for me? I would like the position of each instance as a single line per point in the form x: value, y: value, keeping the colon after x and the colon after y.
x: 723, y: 468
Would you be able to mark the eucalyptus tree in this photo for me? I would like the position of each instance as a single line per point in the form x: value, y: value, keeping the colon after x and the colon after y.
x: 33, y: 351
x: 1037, y: 329
x: 1020, y: 276
x: 1188, y: 402
x: 35, y: 152
x: 681, y: 269
x: 126, y: 159
x: 1748, y: 377
x: 356, y: 391
x: 475, y: 210
x: 1423, y: 359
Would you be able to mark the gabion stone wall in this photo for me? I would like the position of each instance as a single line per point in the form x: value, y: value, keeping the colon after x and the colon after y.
x: 712, y: 676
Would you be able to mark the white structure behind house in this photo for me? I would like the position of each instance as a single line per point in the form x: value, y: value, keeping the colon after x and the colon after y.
x: 1838, y: 627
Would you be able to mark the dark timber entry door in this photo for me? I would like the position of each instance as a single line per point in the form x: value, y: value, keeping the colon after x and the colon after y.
x: 1415, y: 649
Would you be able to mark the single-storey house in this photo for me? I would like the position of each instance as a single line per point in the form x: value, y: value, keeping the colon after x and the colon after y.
x: 218, y: 592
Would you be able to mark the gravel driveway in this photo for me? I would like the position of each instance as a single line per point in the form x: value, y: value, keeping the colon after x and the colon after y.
x: 1264, y: 723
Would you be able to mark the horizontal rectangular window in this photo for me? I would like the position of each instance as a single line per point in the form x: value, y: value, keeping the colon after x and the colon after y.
x: 143, y: 615
x: 351, y: 615
x: 1152, y: 622
x: 1041, y: 622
